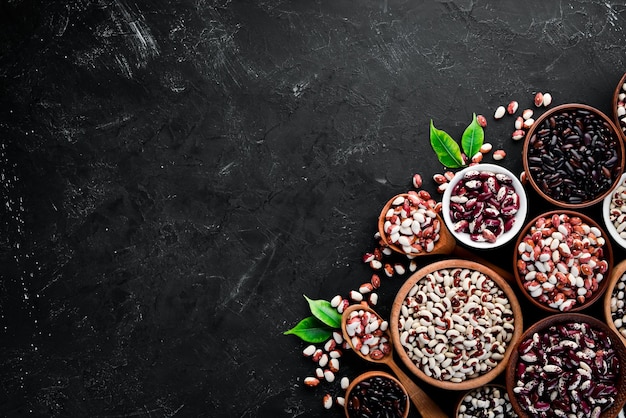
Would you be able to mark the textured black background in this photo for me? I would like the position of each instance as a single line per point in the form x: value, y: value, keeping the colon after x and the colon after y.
x: 175, y: 175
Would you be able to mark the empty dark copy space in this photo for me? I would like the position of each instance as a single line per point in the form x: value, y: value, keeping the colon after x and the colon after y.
x: 176, y: 175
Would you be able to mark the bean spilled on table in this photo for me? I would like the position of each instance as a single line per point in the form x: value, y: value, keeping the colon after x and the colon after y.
x: 483, y: 204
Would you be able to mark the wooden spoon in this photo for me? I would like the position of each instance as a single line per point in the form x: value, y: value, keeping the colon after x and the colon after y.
x: 424, y: 404
x: 446, y: 244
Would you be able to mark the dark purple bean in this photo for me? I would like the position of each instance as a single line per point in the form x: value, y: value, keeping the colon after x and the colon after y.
x: 611, y: 161
x: 489, y: 201
x: 579, y: 147
x: 377, y: 396
x: 554, y: 374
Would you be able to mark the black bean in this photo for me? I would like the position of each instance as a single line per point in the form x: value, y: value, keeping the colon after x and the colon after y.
x: 611, y: 161
x: 577, y: 146
x: 377, y: 396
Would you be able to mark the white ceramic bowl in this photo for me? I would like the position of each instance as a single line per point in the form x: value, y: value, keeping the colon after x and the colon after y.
x: 520, y: 216
x: 610, y: 228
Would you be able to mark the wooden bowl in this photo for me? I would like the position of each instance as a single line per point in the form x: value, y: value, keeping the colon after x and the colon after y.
x: 616, y: 274
x: 460, y: 402
x: 445, y: 243
x: 608, y: 256
x: 369, y: 375
x: 394, y: 322
x: 617, y: 119
x: 547, y: 188
x: 543, y: 325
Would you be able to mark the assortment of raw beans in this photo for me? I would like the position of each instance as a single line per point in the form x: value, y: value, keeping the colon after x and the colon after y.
x: 327, y: 346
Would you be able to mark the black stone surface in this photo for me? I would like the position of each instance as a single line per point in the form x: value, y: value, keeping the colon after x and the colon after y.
x: 175, y: 175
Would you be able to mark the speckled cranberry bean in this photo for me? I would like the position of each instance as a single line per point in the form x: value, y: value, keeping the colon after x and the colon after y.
x: 367, y: 332
x: 561, y: 261
x: 411, y: 224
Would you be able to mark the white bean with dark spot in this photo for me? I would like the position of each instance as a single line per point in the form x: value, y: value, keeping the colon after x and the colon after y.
x: 462, y: 338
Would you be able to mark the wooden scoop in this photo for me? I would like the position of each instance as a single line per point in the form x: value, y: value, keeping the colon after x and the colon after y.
x: 424, y: 404
x: 446, y: 244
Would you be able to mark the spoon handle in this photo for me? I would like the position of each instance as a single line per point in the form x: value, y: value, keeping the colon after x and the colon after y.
x: 468, y: 255
x: 422, y: 402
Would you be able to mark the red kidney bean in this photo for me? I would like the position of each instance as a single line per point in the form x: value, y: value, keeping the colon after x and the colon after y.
x: 569, y: 369
x: 483, y: 204
x: 573, y: 156
x: 377, y: 396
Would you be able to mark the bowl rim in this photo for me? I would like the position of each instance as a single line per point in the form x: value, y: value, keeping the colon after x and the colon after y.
x: 616, y: 118
x: 608, y: 256
x: 442, y: 245
x: 556, y: 319
x: 520, y: 216
x: 616, y: 273
x: 531, y: 132
x: 374, y: 373
x: 610, y: 227
x: 450, y: 264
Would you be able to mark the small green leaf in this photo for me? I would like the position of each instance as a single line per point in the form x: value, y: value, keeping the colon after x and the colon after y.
x: 311, y: 330
x: 323, y: 310
x: 445, y: 147
x: 472, y: 138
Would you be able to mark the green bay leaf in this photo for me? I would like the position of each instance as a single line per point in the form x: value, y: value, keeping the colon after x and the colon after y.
x: 323, y: 310
x: 472, y: 138
x: 311, y: 330
x: 445, y: 147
